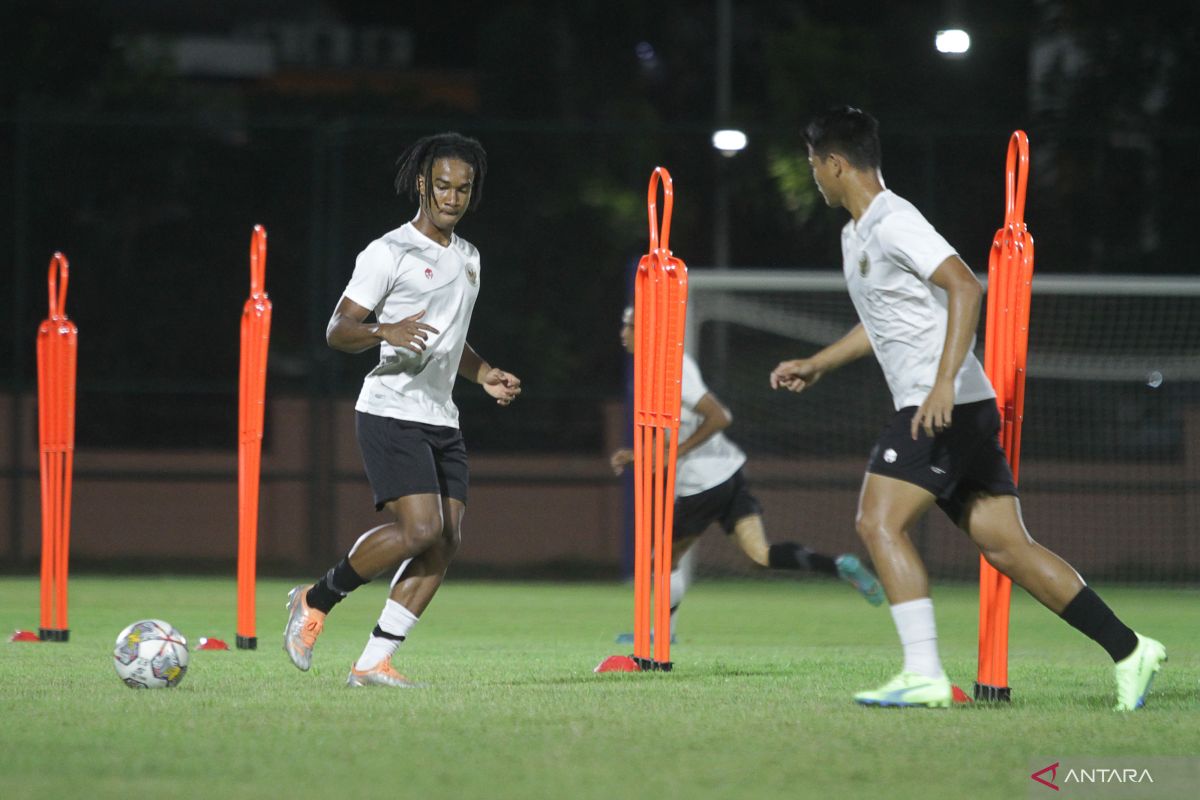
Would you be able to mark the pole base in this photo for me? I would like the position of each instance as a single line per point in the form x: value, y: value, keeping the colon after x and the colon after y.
x: 992, y: 694
x: 650, y: 665
x: 247, y: 642
x: 617, y: 664
x: 54, y: 634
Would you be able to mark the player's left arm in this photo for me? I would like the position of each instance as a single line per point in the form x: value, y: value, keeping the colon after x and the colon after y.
x: 964, y: 298
x: 504, y: 386
x: 715, y: 417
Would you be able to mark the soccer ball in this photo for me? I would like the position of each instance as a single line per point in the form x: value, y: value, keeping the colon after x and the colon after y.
x: 151, y: 654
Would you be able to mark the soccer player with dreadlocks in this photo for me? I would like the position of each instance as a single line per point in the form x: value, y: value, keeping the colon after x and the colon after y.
x: 420, y: 282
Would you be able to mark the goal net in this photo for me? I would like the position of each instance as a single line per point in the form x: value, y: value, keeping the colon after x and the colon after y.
x: 1110, y: 454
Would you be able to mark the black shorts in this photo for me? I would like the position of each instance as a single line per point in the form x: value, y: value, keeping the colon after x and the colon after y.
x: 404, y: 458
x: 726, y: 503
x: 964, y: 460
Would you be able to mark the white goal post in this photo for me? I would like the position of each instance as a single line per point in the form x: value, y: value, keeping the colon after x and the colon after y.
x: 1110, y: 472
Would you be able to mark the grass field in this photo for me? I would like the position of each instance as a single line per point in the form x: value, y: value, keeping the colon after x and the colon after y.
x: 758, y: 706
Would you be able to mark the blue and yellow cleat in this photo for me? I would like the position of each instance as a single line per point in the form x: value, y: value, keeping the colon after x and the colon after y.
x: 909, y: 690
x: 1136, y: 672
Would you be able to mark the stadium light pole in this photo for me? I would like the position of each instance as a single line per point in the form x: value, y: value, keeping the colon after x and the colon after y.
x: 724, y: 87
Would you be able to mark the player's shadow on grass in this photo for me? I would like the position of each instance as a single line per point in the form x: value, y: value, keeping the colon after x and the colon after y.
x: 680, y: 674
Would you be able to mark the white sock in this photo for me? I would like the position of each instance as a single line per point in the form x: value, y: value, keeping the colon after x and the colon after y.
x: 395, y: 620
x: 918, y: 634
x: 681, y: 577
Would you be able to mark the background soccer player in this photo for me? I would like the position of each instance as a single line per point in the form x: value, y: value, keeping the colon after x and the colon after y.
x: 420, y: 281
x: 710, y: 487
x: 918, y: 306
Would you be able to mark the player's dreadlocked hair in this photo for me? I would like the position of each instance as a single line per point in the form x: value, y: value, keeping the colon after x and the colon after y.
x: 847, y: 130
x: 417, y: 161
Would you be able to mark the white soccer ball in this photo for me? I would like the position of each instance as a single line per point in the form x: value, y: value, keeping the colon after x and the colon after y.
x: 151, y: 654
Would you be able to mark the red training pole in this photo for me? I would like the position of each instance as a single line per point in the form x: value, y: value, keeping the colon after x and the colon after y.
x: 57, y: 348
x: 1010, y: 283
x: 659, y: 314
x: 256, y: 333
x: 663, y: 284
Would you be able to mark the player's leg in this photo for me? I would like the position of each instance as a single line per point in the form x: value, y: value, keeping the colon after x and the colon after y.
x: 417, y: 527
x: 741, y: 516
x: 406, y: 482
x: 751, y: 537
x: 683, y: 570
x: 994, y: 523
x: 888, y: 509
x: 693, y: 514
x: 419, y: 576
x: 415, y: 583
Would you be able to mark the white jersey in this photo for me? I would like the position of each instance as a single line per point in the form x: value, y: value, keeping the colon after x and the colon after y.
x: 396, y: 276
x: 888, y: 257
x: 717, y: 459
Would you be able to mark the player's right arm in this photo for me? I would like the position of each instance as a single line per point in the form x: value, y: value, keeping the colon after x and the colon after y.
x: 369, y: 286
x: 801, y: 373
x: 620, y: 459
x: 714, y: 418
x: 348, y: 332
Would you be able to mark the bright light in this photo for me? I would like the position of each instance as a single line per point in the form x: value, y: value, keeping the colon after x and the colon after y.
x: 729, y: 142
x: 953, y: 41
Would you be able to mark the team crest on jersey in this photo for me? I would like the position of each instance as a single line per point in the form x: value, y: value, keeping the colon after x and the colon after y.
x: 472, y: 275
x: 429, y: 273
x: 864, y: 265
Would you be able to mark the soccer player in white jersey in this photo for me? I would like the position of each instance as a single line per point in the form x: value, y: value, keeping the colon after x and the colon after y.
x: 918, y: 306
x: 420, y: 282
x: 710, y: 487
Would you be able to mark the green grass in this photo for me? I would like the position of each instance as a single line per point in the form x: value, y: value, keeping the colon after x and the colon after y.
x: 758, y: 706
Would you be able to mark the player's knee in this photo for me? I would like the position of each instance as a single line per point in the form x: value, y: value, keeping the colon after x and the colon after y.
x: 423, y: 533
x: 451, y: 539
x: 871, y: 528
x: 1002, y: 559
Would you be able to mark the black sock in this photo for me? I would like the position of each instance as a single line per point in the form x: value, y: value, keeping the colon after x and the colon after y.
x: 789, y: 555
x: 340, y: 581
x: 381, y: 633
x: 1092, y: 617
x: 819, y: 562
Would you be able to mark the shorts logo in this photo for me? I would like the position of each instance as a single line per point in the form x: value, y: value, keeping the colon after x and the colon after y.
x: 864, y: 265
x: 889, y: 456
x: 429, y: 273
x: 938, y: 470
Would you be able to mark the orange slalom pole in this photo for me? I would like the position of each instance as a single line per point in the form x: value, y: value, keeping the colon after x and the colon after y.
x: 643, y: 447
x: 676, y: 310
x: 255, y: 336
x: 57, y: 347
x: 1010, y: 281
x: 659, y: 313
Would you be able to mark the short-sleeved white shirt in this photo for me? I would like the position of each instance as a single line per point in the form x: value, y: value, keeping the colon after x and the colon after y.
x: 717, y: 459
x: 888, y: 256
x: 397, y: 275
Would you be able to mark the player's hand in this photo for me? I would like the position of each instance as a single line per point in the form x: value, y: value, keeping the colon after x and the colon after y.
x: 796, y: 375
x: 504, y: 386
x: 619, y: 459
x: 409, y: 333
x: 934, y: 414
